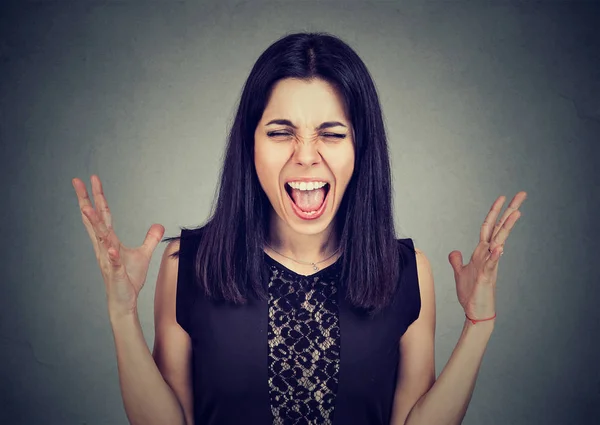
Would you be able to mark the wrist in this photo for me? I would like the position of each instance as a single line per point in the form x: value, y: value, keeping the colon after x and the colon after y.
x: 484, y: 329
x: 117, y: 316
x: 486, y: 319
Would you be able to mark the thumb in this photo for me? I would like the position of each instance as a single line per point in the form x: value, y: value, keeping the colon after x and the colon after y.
x: 153, y: 237
x: 456, y: 261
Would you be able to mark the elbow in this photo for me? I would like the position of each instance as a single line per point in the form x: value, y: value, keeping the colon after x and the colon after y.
x: 412, y: 418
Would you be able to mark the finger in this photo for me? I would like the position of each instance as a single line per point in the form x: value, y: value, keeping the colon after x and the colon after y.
x: 84, y: 201
x: 504, y: 231
x: 493, y: 259
x: 153, y: 237
x: 101, y: 232
x: 514, y: 205
x: 102, y: 209
x: 100, y: 201
x: 81, y: 191
x: 456, y: 261
x: 490, y: 220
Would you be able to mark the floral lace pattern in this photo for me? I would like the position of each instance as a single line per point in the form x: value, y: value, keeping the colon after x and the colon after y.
x: 304, y: 347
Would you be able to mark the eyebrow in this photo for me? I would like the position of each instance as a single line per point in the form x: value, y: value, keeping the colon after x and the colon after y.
x: 324, y: 125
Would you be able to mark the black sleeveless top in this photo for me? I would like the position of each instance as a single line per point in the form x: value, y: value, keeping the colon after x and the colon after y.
x: 305, y: 356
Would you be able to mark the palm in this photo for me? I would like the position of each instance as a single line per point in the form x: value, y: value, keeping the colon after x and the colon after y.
x: 136, y: 263
x: 476, y: 281
x: 472, y: 280
x: 124, y: 269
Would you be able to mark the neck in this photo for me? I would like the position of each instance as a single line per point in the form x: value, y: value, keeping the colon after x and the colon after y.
x: 315, y: 247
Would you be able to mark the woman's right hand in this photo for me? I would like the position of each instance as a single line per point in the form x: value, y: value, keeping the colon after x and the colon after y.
x: 124, y: 269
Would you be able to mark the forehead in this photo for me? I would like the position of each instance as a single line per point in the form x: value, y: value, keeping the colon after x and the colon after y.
x: 306, y: 101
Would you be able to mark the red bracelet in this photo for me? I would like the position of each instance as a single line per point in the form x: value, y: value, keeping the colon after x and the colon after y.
x: 480, y: 320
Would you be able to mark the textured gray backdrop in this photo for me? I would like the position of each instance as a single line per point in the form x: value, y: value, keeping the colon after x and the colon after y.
x: 480, y: 99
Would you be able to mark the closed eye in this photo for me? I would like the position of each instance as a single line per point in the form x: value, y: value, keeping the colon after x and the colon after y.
x: 277, y: 133
x: 287, y: 134
x: 336, y: 135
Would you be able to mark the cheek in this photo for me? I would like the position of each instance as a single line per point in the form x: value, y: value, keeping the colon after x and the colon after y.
x: 349, y: 168
x: 343, y: 166
x: 268, y: 165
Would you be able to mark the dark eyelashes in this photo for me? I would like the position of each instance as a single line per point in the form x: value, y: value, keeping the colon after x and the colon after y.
x: 279, y: 133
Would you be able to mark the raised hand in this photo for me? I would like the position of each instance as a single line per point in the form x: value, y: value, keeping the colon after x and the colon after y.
x: 476, y: 281
x: 124, y: 269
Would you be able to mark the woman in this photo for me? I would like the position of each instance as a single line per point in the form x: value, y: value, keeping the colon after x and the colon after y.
x: 295, y: 303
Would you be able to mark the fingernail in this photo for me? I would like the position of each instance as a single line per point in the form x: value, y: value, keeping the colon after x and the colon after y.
x: 501, y: 253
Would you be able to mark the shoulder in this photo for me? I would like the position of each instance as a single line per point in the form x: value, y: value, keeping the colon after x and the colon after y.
x: 169, y: 263
x: 178, y: 246
x: 422, y: 285
x: 422, y: 262
x: 172, y: 248
x: 425, y: 276
x: 419, y: 286
x: 166, y: 282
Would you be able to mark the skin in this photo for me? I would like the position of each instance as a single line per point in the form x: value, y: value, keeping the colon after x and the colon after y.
x: 302, y: 151
x: 300, y: 148
x: 421, y: 398
x: 157, y: 388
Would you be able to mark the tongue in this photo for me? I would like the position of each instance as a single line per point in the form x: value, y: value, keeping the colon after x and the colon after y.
x: 309, y: 200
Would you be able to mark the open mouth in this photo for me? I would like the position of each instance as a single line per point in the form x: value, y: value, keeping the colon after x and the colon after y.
x: 308, y: 202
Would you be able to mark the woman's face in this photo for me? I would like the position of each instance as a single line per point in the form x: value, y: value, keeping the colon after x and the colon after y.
x: 304, y: 153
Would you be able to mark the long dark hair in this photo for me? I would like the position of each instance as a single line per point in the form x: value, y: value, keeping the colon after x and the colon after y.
x: 230, y: 256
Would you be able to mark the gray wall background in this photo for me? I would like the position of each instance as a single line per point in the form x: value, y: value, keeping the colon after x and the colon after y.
x: 480, y: 99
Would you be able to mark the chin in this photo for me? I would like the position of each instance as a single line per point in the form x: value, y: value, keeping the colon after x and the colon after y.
x: 308, y: 229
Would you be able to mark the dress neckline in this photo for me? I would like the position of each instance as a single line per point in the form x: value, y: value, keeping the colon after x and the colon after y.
x: 332, y: 268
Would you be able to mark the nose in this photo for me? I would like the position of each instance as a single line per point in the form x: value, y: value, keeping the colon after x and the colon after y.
x: 306, y: 153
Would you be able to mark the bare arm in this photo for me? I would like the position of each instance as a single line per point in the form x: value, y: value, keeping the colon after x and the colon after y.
x: 420, y: 398
x: 172, y: 345
x: 154, y: 391
x: 447, y: 401
x: 149, y: 397
x: 417, y: 361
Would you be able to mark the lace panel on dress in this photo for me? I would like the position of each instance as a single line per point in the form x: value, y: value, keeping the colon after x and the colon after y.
x: 304, y: 347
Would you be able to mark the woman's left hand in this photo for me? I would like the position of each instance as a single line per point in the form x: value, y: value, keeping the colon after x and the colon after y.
x: 476, y: 282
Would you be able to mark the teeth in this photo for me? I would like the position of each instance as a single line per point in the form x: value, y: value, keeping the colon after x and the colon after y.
x: 307, y: 186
